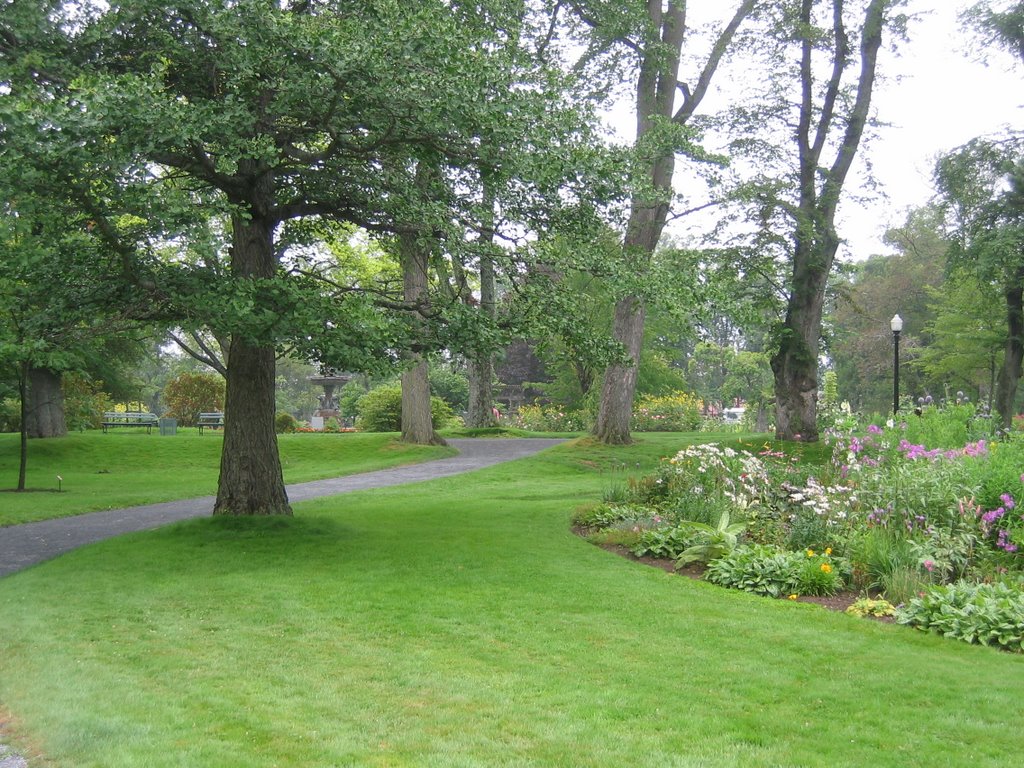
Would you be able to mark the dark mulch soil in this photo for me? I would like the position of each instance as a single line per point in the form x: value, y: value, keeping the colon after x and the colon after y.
x: 838, y: 602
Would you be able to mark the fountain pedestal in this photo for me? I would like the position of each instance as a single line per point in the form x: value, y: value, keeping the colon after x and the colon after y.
x: 328, y: 404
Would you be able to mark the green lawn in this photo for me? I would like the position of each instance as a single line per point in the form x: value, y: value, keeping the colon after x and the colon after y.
x: 128, y: 467
x: 460, y: 623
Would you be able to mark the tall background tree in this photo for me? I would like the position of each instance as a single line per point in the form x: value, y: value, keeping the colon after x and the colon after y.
x: 819, y: 79
x: 982, y: 186
x: 664, y: 102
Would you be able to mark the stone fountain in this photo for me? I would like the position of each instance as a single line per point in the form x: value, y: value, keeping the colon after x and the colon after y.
x: 329, y: 379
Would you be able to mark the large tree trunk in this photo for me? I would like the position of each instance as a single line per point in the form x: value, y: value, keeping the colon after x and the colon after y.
x: 795, y: 365
x: 45, y: 411
x: 1013, y: 357
x: 251, y: 481
x: 618, y: 387
x: 417, y: 424
x: 480, y: 372
x: 480, y: 411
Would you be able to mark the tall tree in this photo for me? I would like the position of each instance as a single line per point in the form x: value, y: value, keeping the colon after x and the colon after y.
x: 262, y: 113
x: 982, y: 187
x: 825, y: 102
x: 1002, y: 24
x: 664, y: 104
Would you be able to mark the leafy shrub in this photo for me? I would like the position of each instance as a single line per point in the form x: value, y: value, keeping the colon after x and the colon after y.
x: 1000, y: 472
x: 712, y: 541
x: 350, y: 395
x: 84, y: 402
x: 948, y: 426
x: 550, y: 418
x: 10, y: 415
x: 620, y: 537
x: 987, y: 614
x: 768, y: 571
x: 189, y: 394
x: 676, y: 412
x: 809, y: 530
x: 450, y: 386
x: 380, y: 410
x: 605, y: 515
x: 758, y: 569
x: 285, y: 423
x: 668, y: 543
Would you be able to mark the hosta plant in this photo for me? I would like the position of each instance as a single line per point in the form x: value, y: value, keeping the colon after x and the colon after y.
x: 987, y: 614
x: 758, y: 569
x: 867, y: 606
x: 713, y: 541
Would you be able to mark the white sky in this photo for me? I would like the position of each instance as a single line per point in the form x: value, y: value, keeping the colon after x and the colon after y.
x: 933, y: 96
x: 945, y: 98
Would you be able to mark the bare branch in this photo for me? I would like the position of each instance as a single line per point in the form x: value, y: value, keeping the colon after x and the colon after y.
x: 692, y: 101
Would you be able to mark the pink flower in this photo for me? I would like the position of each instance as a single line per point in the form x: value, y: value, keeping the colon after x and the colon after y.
x: 929, y: 565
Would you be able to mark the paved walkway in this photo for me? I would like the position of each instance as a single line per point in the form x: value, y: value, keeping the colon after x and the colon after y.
x: 31, y: 543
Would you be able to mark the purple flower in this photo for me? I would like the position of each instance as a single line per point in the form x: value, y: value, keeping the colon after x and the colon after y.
x: 1008, y: 501
x: 993, y: 515
x: 874, y: 430
x: 1003, y: 541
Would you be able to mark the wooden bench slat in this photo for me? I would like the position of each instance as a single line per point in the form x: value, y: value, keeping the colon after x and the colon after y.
x: 212, y: 420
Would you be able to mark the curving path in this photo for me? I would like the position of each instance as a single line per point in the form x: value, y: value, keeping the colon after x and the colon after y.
x: 31, y: 543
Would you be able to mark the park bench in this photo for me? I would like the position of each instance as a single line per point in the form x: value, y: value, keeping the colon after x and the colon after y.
x: 214, y: 420
x: 129, y: 419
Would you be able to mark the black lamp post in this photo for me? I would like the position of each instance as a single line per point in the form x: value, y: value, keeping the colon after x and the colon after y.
x: 897, y: 325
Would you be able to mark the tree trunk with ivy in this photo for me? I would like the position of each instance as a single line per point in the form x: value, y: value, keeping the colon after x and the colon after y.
x: 815, y: 241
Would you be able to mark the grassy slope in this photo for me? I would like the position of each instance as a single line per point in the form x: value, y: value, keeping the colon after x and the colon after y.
x: 127, y: 467
x: 461, y: 624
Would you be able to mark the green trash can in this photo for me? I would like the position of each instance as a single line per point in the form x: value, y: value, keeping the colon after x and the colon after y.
x: 168, y: 426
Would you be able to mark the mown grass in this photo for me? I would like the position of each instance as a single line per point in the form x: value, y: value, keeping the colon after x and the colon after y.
x: 125, y: 467
x: 460, y: 623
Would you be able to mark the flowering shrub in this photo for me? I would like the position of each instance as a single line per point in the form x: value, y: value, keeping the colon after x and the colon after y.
x: 549, y: 418
x: 772, y: 572
x: 677, y: 412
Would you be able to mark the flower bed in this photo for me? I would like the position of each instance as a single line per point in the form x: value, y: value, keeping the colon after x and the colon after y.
x: 898, y: 510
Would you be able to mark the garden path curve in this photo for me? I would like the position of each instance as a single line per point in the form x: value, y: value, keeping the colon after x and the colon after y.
x: 31, y: 543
